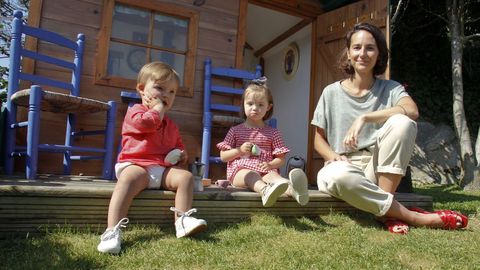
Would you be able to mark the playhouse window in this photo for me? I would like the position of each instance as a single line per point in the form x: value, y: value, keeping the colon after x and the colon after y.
x: 137, y: 32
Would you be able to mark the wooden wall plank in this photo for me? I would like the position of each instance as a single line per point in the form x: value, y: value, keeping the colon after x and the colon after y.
x: 218, y: 27
x: 242, y: 32
x: 308, y: 9
x: 34, y: 17
x: 73, y: 11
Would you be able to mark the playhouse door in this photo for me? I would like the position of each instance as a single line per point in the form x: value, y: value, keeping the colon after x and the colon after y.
x: 331, y: 28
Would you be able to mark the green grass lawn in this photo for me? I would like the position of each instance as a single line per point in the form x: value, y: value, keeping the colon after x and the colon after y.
x: 333, y: 241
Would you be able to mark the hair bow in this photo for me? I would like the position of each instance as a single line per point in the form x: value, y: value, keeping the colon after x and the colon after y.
x: 260, y: 81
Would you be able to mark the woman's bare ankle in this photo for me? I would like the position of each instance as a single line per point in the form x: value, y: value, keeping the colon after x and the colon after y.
x: 429, y: 220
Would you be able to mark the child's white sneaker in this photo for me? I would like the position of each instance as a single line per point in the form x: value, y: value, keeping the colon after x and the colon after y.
x: 111, y: 239
x: 299, y: 186
x: 187, y: 225
x: 272, y: 191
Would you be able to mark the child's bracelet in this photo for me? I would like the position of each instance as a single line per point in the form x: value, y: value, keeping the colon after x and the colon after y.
x: 404, y: 111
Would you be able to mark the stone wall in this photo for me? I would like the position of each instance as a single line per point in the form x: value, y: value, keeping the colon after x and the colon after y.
x: 436, y: 157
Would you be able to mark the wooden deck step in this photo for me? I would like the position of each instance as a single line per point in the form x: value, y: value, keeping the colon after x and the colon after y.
x: 82, y: 202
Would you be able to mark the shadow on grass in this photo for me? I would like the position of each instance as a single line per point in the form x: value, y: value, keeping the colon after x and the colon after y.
x: 143, y: 234
x: 364, y: 219
x: 302, y: 224
x: 305, y: 224
x: 208, y: 235
x: 452, y: 196
x: 447, y: 193
x: 40, y: 252
x: 147, y: 233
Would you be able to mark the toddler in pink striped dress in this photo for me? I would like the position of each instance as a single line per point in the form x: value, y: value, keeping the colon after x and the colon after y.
x: 254, y: 151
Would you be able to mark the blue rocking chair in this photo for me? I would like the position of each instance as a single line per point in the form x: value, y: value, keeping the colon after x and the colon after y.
x: 37, y: 99
x: 217, y: 114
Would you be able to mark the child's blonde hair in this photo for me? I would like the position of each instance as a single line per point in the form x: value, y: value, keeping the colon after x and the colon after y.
x: 157, y: 71
x: 257, y: 90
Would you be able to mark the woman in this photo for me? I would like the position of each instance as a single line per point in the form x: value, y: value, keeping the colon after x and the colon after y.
x: 365, y: 131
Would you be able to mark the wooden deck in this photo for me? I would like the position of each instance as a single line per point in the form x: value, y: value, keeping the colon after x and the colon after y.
x: 53, y: 201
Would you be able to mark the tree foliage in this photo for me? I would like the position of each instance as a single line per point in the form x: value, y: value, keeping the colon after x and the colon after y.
x: 7, y: 7
x: 454, y: 27
x: 421, y: 60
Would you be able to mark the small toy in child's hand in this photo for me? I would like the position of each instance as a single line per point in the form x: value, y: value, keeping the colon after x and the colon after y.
x: 256, y: 150
x: 173, y: 157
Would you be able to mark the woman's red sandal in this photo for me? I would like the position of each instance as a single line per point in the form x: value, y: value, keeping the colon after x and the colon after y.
x: 449, y: 218
x: 396, y: 226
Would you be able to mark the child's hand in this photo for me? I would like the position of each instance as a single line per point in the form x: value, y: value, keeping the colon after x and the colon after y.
x: 183, y: 157
x: 246, y: 148
x: 265, y: 166
x: 155, y: 103
x: 159, y: 106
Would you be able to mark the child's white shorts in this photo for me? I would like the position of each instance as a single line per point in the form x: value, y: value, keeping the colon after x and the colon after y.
x: 155, y: 173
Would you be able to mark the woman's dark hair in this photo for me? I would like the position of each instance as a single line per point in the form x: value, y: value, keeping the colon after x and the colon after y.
x: 382, y: 60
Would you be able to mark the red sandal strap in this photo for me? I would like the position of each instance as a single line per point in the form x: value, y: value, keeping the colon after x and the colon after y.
x: 396, y: 226
x: 450, y: 219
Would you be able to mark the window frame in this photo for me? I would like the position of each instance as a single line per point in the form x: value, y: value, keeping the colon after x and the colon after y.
x: 101, y: 76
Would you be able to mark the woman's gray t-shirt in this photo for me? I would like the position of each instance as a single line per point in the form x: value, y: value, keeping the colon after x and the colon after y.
x: 336, y: 110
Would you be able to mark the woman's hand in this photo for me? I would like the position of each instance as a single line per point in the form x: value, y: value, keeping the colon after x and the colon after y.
x: 337, y: 158
x: 351, y: 138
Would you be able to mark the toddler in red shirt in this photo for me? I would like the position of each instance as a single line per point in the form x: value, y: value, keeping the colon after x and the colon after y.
x: 148, y: 136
